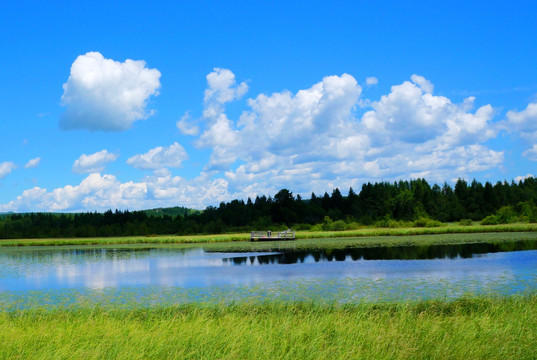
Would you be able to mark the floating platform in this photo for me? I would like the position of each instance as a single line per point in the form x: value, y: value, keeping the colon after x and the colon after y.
x: 270, y: 236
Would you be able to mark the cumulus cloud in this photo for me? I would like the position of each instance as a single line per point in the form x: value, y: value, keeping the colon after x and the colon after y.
x: 306, y: 124
x: 222, y: 87
x: 106, y: 95
x: 309, y: 140
x: 93, y: 163
x: 101, y: 192
x: 312, y: 137
x: 95, y: 192
x: 6, y: 168
x: 410, y: 113
x: 159, y: 158
x: 32, y: 163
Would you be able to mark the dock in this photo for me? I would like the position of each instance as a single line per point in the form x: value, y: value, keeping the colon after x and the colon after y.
x: 269, y: 235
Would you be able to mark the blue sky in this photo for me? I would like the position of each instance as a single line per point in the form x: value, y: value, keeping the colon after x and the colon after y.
x: 134, y: 105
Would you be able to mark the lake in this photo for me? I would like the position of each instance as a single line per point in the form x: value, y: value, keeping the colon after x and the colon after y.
x: 149, y: 276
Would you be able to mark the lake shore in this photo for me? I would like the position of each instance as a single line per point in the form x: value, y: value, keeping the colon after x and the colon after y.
x: 375, y: 236
x: 476, y: 328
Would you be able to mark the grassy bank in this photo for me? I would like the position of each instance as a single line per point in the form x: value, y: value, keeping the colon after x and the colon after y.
x: 244, y: 237
x: 477, y: 328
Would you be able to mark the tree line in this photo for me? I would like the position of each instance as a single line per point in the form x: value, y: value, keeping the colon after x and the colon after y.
x: 376, y: 203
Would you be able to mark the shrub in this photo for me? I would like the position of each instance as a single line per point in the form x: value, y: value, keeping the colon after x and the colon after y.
x: 426, y: 222
x: 353, y: 225
x: 338, y: 225
x: 327, y: 223
x: 506, y: 215
x: 490, y: 220
x: 465, y: 222
x: 388, y: 222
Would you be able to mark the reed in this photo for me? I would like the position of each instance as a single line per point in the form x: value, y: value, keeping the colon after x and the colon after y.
x: 470, y: 328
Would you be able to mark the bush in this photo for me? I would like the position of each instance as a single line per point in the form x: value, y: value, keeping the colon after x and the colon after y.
x: 506, y: 215
x: 327, y: 223
x: 465, y: 222
x: 426, y: 222
x: 353, y: 225
x: 338, y: 225
x: 490, y: 220
x: 388, y: 222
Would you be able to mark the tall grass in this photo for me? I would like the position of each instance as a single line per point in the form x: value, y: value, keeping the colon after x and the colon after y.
x: 474, y: 328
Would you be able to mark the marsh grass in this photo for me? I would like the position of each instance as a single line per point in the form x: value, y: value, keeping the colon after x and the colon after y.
x: 467, y: 328
x: 245, y: 237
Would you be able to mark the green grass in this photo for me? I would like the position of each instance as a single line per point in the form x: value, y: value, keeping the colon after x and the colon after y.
x: 506, y: 239
x: 244, y: 237
x: 473, y: 328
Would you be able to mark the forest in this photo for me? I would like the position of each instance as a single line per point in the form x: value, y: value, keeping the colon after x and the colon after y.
x: 384, y: 204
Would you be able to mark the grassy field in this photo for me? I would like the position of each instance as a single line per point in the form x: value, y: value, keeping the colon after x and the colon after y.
x: 245, y: 237
x: 474, y: 328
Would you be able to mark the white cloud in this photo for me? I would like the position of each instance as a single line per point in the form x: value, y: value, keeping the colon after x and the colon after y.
x: 531, y: 153
x: 186, y: 127
x: 159, y: 158
x: 6, y: 168
x: 101, y: 192
x: 312, y: 124
x: 410, y: 114
x: 423, y: 83
x: 311, y: 140
x: 371, y: 80
x: 93, y: 163
x: 221, y: 89
x: 95, y: 192
x: 525, y: 118
x: 523, y: 123
x: 106, y: 95
x: 521, y: 178
x: 32, y: 163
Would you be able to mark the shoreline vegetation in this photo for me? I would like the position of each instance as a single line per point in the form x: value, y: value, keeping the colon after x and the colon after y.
x: 466, y: 328
x: 365, y: 237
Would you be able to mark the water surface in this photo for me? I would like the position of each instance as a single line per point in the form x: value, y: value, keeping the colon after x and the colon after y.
x: 56, y: 275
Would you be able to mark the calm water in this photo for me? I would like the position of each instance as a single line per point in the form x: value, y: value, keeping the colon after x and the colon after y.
x: 63, y: 276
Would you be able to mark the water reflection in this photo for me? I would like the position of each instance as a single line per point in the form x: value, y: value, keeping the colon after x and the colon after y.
x: 464, y: 251
x: 347, y: 274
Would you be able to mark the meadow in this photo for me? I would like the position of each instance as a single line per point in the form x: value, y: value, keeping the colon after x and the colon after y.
x: 467, y: 328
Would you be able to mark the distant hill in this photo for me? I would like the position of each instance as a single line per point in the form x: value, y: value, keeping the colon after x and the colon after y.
x: 171, y: 211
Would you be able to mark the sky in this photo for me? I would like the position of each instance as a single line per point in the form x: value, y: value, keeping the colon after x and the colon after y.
x: 137, y: 105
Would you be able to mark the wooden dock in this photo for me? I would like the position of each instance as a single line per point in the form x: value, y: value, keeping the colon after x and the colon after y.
x: 269, y: 235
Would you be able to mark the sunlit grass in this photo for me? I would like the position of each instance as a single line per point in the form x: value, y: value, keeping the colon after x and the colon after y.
x: 472, y: 328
